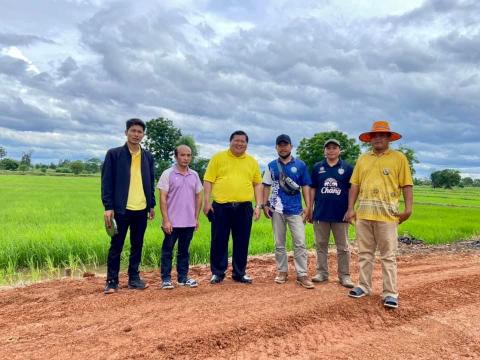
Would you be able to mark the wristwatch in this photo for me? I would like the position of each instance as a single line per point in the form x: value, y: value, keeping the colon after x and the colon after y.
x: 259, y: 206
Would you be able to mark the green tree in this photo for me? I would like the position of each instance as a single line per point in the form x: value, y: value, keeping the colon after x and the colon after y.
x: 77, y: 167
x: 9, y: 164
x: 476, y: 182
x: 446, y: 178
x: 200, y: 166
x: 3, y: 152
x: 411, y: 157
x: 310, y: 150
x: 23, y: 167
x: 26, y: 158
x: 467, y: 181
x: 93, y: 165
x: 161, y: 138
x: 63, y: 163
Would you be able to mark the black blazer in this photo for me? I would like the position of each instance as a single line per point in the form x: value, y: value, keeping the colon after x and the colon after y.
x: 116, y: 178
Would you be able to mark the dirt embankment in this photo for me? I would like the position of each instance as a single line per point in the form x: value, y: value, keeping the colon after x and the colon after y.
x: 438, y: 317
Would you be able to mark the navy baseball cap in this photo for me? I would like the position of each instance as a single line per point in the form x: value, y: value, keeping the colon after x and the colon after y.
x: 283, y: 138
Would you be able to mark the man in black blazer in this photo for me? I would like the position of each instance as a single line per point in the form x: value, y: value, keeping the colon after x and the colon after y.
x: 128, y: 196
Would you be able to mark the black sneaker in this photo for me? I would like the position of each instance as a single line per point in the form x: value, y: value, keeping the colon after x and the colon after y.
x: 137, y: 284
x: 216, y: 279
x: 110, y: 287
x: 245, y: 279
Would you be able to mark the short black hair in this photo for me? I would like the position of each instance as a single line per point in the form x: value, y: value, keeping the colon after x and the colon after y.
x: 132, y: 122
x: 239, y: 132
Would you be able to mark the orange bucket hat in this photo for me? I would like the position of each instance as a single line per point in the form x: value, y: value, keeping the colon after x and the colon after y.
x: 379, y: 127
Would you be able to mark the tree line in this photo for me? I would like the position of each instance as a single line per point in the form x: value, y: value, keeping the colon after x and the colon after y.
x: 89, y: 166
x: 162, y: 137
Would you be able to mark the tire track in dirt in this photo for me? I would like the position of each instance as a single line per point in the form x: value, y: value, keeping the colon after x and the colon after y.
x: 71, y: 319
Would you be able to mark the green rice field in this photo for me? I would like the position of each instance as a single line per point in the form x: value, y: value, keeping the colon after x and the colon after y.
x: 48, y: 223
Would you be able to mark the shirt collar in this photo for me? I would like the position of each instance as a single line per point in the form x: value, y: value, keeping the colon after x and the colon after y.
x: 133, y: 153
x: 229, y: 152
x: 175, y: 169
x: 292, y: 160
x: 386, y: 152
x: 326, y: 164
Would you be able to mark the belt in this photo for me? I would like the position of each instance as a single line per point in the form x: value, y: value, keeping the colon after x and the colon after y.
x: 234, y: 203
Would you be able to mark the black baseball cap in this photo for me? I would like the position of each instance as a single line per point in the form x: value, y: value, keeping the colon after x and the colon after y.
x: 283, y: 138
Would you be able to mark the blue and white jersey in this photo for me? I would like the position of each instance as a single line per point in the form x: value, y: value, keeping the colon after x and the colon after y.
x: 332, y: 184
x: 280, y: 201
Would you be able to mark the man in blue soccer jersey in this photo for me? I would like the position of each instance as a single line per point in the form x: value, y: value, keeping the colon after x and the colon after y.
x: 329, y: 192
x: 284, y: 181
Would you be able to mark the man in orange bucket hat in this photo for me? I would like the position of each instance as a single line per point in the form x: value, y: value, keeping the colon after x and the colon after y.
x: 377, y: 181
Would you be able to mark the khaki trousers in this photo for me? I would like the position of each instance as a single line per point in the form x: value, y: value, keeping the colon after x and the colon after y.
x: 373, y: 235
x: 322, y: 236
x: 297, y: 229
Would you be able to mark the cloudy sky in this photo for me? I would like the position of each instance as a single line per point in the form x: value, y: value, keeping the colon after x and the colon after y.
x: 72, y: 72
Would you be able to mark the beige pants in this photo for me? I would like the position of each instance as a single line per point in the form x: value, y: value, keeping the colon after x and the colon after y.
x: 297, y: 229
x: 322, y: 231
x: 373, y: 235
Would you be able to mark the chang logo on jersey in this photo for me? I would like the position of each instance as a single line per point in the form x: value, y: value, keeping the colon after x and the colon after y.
x: 330, y: 186
x: 330, y: 182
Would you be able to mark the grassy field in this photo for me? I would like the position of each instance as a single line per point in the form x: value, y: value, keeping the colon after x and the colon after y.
x: 51, y: 222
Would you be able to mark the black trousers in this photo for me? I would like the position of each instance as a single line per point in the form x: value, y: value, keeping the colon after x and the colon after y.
x: 184, y: 236
x: 137, y: 222
x: 237, y: 219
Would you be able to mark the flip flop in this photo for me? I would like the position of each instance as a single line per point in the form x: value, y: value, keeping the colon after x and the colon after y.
x: 357, y: 293
x: 390, y: 302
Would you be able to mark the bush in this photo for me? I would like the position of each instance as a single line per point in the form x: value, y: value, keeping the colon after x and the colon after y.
x: 64, y: 170
x: 9, y: 164
x: 23, y: 167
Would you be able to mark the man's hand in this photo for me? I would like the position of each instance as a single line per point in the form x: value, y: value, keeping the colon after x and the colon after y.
x: 256, y: 213
x: 151, y: 214
x: 167, y: 226
x: 207, y: 207
x: 350, y: 216
x: 108, y: 215
x: 307, y: 215
x: 267, y: 211
x: 404, y: 216
x: 197, y: 225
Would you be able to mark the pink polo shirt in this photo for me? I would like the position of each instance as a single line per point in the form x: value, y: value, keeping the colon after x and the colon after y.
x: 181, y: 190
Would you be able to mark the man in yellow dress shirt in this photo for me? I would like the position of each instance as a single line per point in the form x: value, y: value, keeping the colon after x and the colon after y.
x: 128, y: 197
x: 233, y: 179
x: 378, y: 179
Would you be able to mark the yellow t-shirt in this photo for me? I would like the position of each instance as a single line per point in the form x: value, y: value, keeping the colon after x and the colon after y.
x: 232, y: 177
x: 136, y: 195
x: 380, y: 178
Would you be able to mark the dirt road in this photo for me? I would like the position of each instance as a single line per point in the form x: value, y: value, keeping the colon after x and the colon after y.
x: 439, y: 317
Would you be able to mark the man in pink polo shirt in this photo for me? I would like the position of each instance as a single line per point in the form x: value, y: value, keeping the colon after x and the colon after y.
x: 180, y: 203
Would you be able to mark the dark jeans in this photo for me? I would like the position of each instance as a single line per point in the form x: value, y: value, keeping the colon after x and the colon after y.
x: 184, y: 236
x: 237, y: 219
x: 137, y: 222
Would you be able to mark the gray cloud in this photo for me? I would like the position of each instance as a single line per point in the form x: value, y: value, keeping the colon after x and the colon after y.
x: 301, y: 75
x: 22, y: 40
x: 12, y: 67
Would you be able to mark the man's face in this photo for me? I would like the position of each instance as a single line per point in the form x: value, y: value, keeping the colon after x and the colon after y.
x: 184, y: 156
x: 380, y: 141
x: 134, y: 134
x: 332, y: 152
x: 284, y: 149
x: 238, y: 145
